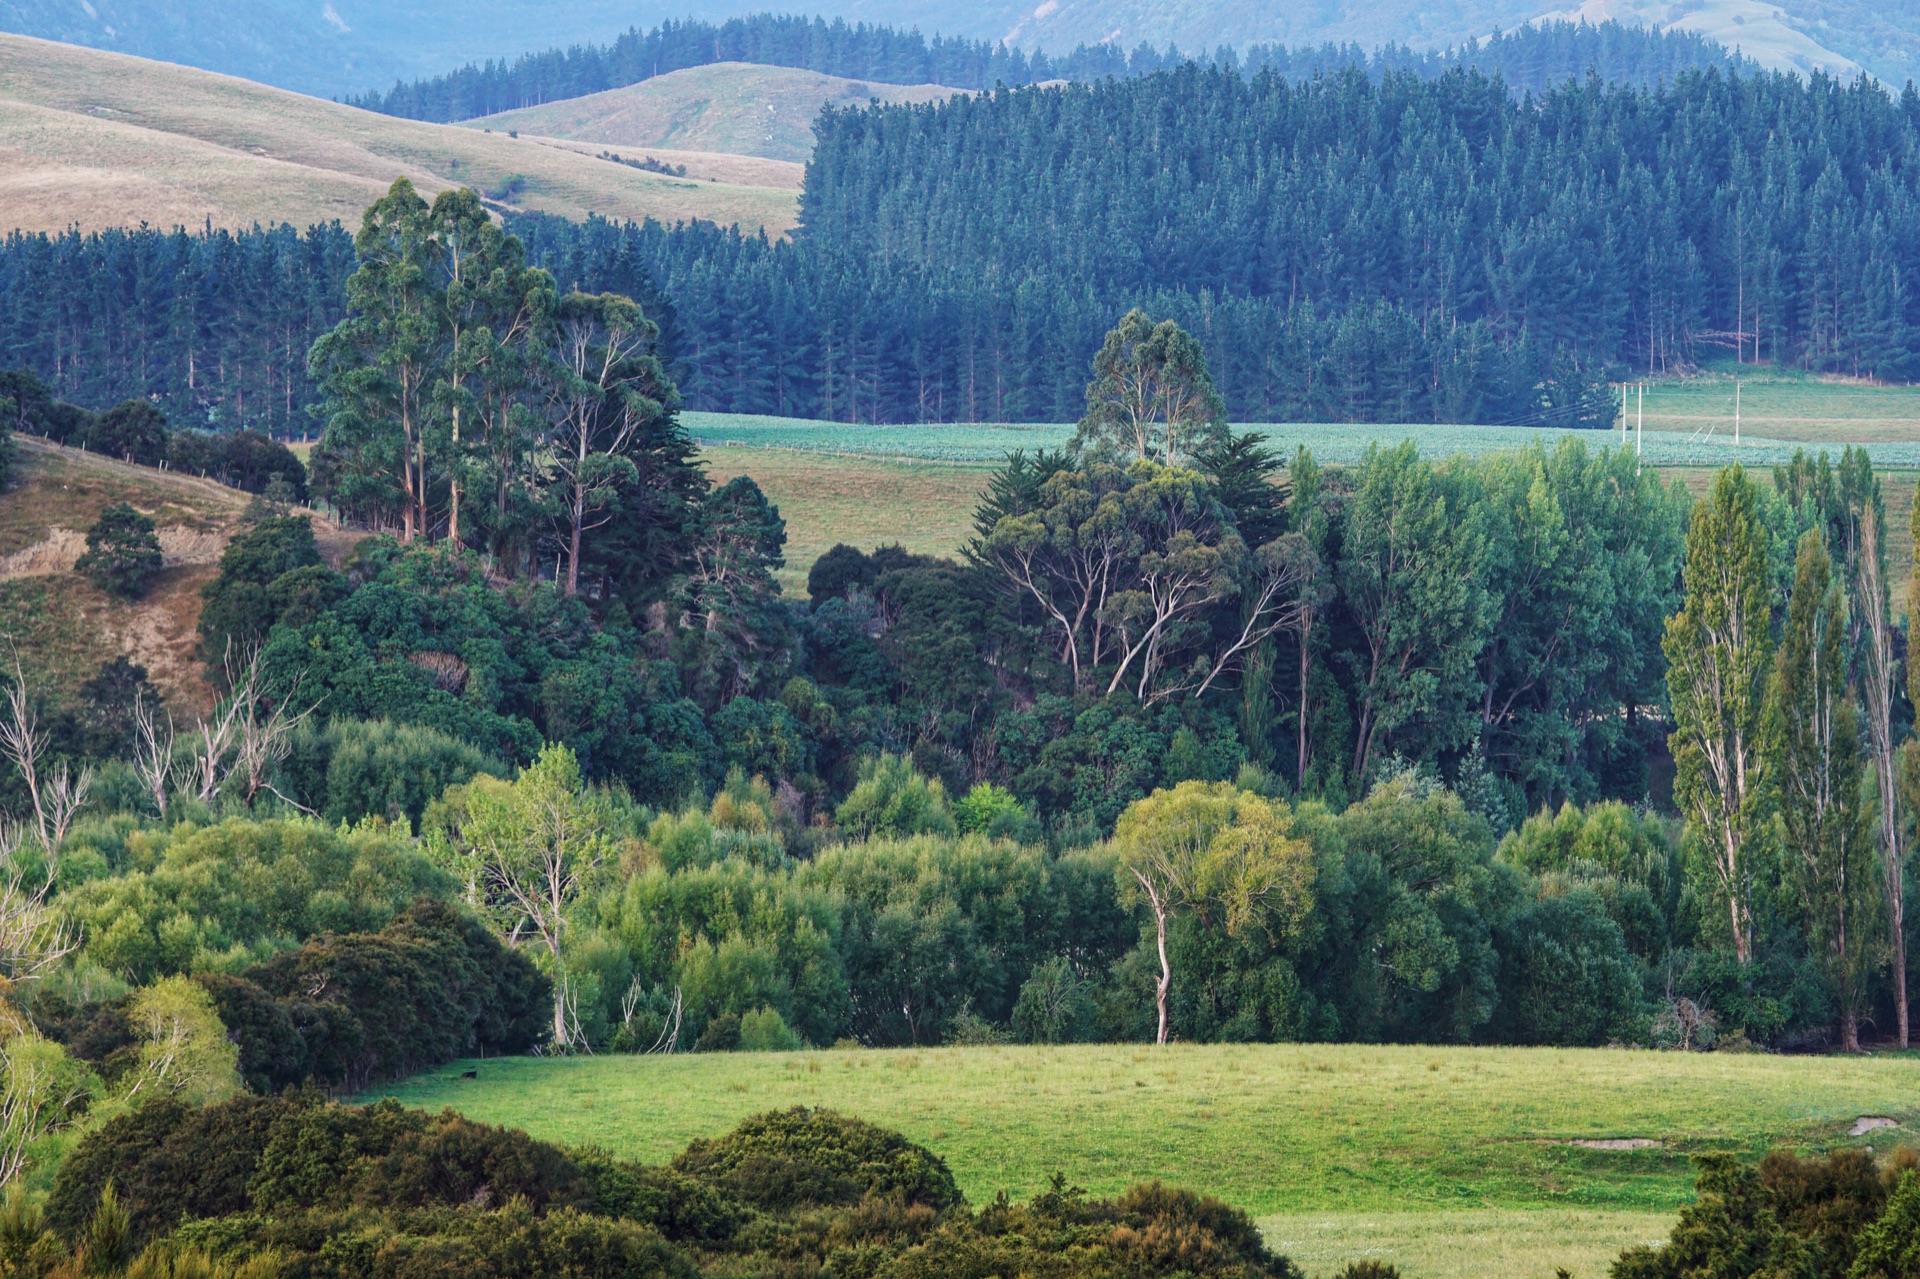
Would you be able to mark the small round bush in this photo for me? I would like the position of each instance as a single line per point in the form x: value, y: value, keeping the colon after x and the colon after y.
x: 123, y: 553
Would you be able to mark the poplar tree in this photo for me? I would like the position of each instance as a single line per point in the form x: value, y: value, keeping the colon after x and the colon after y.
x: 1879, y: 686
x: 1718, y: 648
x: 1813, y: 745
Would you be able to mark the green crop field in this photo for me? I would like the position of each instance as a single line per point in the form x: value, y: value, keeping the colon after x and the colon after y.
x: 917, y: 484
x: 1339, y: 1150
x: 1335, y: 443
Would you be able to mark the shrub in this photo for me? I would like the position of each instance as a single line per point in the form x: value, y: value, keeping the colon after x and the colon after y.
x: 345, y: 769
x: 132, y: 429
x: 167, y: 1160
x: 123, y: 552
x: 253, y: 462
x: 236, y: 607
x: 1566, y: 976
x: 288, y: 1185
x: 222, y: 897
x: 891, y: 798
x: 432, y: 986
x: 994, y: 812
x: 676, y: 1205
x: 764, y: 1030
x: 816, y: 1158
x: 1054, y: 1005
x: 721, y: 1035
x: 1788, y: 1216
x: 838, y: 573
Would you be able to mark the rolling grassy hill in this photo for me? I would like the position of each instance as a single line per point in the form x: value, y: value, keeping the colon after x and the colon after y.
x: 732, y: 107
x: 101, y: 139
x: 1340, y: 1150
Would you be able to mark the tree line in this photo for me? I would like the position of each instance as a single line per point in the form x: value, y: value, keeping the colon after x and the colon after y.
x: 1164, y: 603
x: 1329, y: 256
x: 213, y: 326
x: 1529, y: 58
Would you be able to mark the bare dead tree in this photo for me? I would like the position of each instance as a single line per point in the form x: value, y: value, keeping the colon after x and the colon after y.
x: 205, y: 767
x: 576, y: 1040
x: 263, y: 730
x: 66, y: 795
x: 23, y: 743
x: 153, y: 751
x: 34, y: 937
x: 670, y: 1033
x: 33, y: 1100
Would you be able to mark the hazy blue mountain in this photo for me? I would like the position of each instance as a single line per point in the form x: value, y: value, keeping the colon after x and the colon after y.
x: 337, y: 47
x: 329, y: 47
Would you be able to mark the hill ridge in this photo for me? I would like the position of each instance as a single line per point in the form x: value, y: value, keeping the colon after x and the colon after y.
x: 99, y: 139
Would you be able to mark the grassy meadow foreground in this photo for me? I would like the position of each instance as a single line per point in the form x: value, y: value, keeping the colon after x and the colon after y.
x: 1340, y: 1151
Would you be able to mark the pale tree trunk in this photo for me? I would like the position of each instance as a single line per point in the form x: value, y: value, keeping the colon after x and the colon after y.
x: 1306, y: 670
x: 406, y: 478
x: 420, y: 457
x: 578, y: 520
x: 1159, y: 905
x: 1736, y: 901
x: 453, y: 511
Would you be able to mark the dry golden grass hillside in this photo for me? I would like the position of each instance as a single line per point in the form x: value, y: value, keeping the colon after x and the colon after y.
x: 99, y: 140
x: 62, y: 626
x: 735, y: 107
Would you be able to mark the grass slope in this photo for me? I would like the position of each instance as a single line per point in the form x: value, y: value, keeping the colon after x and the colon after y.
x: 735, y: 107
x: 925, y: 507
x: 100, y: 140
x: 1781, y: 405
x: 1339, y: 1148
x: 64, y: 627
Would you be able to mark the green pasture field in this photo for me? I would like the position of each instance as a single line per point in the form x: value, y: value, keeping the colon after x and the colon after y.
x: 1339, y: 1150
x: 1782, y: 405
x: 928, y: 506
x: 865, y: 502
x: 1337, y: 443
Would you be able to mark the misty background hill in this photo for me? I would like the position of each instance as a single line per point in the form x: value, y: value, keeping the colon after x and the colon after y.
x: 343, y: 47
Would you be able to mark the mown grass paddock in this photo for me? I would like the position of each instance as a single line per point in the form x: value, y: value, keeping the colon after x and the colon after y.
x: 1341, y: 1150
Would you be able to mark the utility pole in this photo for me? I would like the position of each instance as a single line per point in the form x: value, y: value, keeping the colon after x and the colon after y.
x: 1640, y: 422
x: 1736, y: 410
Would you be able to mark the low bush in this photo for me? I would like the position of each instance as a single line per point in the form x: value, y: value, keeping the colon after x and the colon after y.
x: 340, y: 1192
x: 1841, y: 1215
x: 347, y: 1010
x: 815, y: 1158
x: 219, y: 898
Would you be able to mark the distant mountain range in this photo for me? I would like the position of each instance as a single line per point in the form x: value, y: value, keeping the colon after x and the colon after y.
x: 340, y: 47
